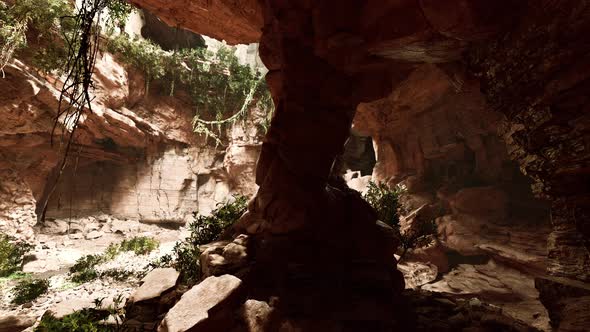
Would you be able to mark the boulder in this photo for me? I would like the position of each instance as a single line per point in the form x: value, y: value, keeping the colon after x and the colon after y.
x: 16, y: 323
x: 256, y: 315
x: 200, y: 308
x: 514, y: 245
x: 56, y: 226
x: 433, y: 253
x: 417, y: 274
x: 224, y: 257
x: 155, y: 284
x: 65, y: 308
x: 496, y: 284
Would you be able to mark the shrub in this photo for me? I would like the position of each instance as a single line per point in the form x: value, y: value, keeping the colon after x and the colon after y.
x: 385, y: 201
x: 140, y: 245
x: 29, y: 289
x: 85, y: 276
x: 86, y: 320
x: 84, y: 269
x: 203, y: 230
x: 12, y: 253
x: 117, y: 274
x: 206, y: 229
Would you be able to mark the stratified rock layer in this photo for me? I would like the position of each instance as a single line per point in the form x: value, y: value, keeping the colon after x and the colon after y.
x: 135, y: 156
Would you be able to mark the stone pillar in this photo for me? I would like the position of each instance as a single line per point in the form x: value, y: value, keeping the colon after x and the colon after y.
x: 314, y: 110
x: 315, y: 240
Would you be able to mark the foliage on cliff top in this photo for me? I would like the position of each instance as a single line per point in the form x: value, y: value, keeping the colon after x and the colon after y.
x: 48, y: 25
x: 222, y: 90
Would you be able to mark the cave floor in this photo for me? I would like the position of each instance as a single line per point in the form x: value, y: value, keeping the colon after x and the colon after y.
x: 488, y: 282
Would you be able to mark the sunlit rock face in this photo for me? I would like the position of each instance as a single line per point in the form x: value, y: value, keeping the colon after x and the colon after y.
x: 135, y: 156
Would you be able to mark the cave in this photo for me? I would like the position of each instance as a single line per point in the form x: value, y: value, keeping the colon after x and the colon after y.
x: 473, y: 113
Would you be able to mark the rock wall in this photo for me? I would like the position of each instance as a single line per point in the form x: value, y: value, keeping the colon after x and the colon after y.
x: 435, y: 134
x: 17, y: 208
x: 135, y: 155
x: 166, y: 188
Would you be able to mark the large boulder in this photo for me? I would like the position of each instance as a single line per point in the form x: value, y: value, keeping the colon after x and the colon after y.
x: 224, y: 257
x: 205, y: 307
x: 155, y: 284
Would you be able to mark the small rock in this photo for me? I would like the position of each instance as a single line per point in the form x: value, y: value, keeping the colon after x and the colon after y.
x: 94, y: 235
x: 76, y: 236
x: 475, y: 302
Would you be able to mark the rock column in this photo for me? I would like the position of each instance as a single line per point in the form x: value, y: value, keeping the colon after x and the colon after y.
x: 321, y: 241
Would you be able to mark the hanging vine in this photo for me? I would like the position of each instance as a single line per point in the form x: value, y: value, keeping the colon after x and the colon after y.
x: 221, y: 88
x: 67, y: 41
x: 75, y: 97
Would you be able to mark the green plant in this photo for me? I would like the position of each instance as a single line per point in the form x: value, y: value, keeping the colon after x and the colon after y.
x: 140, y: 245
x: 116, y: 274
x: 84, y: 269
x: 206, y: 229
x: 385, y: 201
x: 29, y: 289
x: 221, y: 88
x: 84, y: 276
x: 42, y: 21
x: 12, y: 254
x: 85, y: 320
x: 88, y: 319
x: 203, y: 230
x: 17, y: 276
x: 86, y: 262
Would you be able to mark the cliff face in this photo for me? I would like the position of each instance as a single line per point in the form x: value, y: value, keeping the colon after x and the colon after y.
x: 135, y: 155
